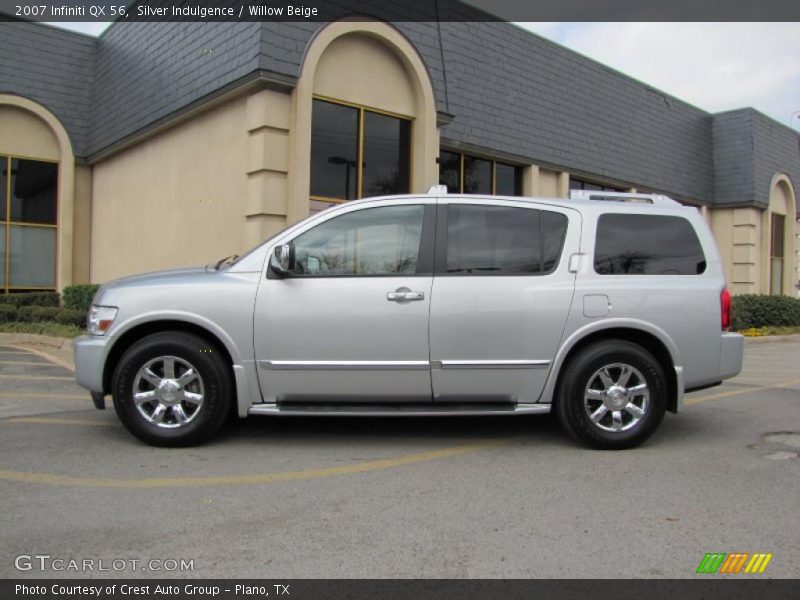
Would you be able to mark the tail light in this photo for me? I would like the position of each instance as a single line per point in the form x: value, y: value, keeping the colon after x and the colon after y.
x: 725, y: 305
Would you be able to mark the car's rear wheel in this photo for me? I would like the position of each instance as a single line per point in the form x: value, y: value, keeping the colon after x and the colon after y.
x: 172, y: 389
x: 612, y: 395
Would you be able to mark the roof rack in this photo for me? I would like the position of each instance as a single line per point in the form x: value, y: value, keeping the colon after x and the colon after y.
x: 622, y: 197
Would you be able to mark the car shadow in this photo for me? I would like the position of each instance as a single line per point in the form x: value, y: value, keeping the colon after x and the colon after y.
x: 346, y: 430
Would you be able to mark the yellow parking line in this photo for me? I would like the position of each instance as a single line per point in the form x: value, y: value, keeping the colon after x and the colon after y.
x: 53, y: 421
x: 743, y: 391
x: 246, y: 479
x: 47, y: 396
x: 45, y: 355
x: 37, y: 377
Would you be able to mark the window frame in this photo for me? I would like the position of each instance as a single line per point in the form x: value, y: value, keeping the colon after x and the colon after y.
x: 6, y: 224
x: 464, y: 156
x: 426, y: 246
x: 362, y: 108
x: 440, y: 259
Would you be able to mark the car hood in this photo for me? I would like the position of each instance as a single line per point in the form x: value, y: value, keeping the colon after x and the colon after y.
x: 170, y: 276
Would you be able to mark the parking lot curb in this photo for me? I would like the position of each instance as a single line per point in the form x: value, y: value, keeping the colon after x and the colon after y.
x: 58, y: 347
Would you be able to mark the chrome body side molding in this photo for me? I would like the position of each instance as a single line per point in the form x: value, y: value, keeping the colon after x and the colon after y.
x: 432, y: 411
x: 344, y: 365
x: 490, y: 364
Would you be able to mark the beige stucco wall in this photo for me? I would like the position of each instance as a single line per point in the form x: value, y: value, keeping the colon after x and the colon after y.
x: 549, y: 183
x: 82, y: 225
x: 743, y: 236
x: 544, y: 183
x: 348, y: 69
x: 173, y: 200
x: 26, y: 135
x: 738, y: 235
x: 268, y: 122
x: 797, y: 255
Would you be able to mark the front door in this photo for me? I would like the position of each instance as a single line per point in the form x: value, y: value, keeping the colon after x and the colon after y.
x: 501, y: 297
x: 350, y: 322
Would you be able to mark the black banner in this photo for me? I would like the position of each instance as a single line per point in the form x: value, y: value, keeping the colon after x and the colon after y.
x: 397, y: 10
x: 440, y: 589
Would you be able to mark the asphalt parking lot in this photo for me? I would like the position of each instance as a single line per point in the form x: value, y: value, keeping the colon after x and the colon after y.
x: 435, y: 498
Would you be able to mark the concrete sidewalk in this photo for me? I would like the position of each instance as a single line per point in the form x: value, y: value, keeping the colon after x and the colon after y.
x: 60, y: 348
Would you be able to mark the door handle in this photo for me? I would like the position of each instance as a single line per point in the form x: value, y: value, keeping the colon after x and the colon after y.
x: 404, y: 295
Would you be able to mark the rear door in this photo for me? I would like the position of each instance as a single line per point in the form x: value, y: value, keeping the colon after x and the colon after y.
x: 502, y: 291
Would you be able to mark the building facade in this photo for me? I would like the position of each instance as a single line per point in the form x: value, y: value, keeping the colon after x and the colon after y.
x: 161, y: 145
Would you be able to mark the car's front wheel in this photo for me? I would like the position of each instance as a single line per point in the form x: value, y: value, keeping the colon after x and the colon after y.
x: 172, y: 389
x: 612, y: 395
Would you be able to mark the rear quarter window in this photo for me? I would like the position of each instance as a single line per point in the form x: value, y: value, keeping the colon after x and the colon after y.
x: 647, y: 245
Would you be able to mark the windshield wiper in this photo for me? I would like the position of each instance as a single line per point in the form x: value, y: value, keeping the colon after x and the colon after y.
x: 222, y: 261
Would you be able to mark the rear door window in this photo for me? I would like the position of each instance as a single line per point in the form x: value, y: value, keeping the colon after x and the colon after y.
x: 502, y: 240
x: 647, y: 245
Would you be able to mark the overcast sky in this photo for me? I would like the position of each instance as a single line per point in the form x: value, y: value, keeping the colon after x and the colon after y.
x: 715, y: 66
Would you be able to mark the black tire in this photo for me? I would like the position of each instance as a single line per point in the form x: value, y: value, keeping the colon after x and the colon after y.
x: 583, y: 371
x: 214, y: 381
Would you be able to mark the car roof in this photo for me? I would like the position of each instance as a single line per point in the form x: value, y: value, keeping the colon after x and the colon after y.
x: 569, y: 203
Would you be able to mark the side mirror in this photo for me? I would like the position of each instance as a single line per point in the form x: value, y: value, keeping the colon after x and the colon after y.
x: 282, y: 260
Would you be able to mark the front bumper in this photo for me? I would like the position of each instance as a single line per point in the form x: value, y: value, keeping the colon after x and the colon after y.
x: 90, y: 355
x: 731, y: 355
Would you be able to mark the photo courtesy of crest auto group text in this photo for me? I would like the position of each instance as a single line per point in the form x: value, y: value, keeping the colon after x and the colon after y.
x: 364, y: 299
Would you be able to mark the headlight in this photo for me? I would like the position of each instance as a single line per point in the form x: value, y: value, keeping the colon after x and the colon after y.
x: 100, y: 319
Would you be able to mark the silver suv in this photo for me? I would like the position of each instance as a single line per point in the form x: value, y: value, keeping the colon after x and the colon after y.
x: 605, y: 308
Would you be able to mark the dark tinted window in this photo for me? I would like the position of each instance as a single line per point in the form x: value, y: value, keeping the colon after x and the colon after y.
x: 387, y: 153
x: 647, y: 245
x: 334, y: 151
x: 497, y: 240
x: 581, y: 184
x: 33, y: 191
x: 450, y: 171
x: 554, y: 229
x: 508, y: 180
x: 477, y: 176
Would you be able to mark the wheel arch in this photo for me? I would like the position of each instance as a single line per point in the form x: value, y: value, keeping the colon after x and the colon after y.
x: 142, y: 330
x: 652, y: 339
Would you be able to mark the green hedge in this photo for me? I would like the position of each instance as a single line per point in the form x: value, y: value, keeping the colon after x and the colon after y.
x: 79, y: 297
x: 753, y: 310
x: 31, y: 299
x: 71, y: 317
x: 49, y: 314
x: 36, y: 314
x: 8, y: 313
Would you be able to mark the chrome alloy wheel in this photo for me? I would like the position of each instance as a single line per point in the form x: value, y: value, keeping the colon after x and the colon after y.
x: 616, y: 397
x: 168, y: 392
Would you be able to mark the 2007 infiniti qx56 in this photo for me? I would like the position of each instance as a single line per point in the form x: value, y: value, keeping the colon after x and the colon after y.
x: 604, y: 308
